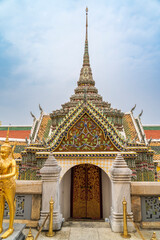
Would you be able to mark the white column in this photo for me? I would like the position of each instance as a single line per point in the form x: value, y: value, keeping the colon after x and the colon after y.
x: 50, y: 188
x: 120, y: 185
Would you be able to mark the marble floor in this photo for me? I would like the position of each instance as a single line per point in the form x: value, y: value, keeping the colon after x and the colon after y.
x: 90, y: 231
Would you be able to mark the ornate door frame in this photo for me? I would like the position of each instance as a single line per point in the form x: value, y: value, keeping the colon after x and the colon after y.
x: 88, y: 191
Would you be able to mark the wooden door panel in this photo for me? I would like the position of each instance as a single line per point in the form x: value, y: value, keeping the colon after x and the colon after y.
x: 93, y: 192
x: 79, y: 192
x: 86, y: 192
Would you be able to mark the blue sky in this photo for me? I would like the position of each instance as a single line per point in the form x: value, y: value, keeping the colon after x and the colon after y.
x: 41, y: 52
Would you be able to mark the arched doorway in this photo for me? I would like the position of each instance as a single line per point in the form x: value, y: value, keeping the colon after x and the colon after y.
x: 66, y: 193
x: 86, y: 192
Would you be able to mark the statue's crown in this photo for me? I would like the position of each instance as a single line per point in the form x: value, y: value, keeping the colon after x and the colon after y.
x: 6, y: 144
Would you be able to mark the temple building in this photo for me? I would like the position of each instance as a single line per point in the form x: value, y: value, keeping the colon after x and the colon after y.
x: 84, y: 137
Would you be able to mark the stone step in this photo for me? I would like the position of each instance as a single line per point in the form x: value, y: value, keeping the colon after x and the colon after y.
x: 86, y: 224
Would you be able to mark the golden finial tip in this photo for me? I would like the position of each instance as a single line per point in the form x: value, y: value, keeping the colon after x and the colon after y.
x: 30, y: 236
x: 51, y: 201
x: 86, y: 9
x: 7, y: 138
x: 154, y: 236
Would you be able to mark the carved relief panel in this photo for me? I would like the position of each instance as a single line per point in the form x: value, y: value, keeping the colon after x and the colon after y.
x: 86, y: 135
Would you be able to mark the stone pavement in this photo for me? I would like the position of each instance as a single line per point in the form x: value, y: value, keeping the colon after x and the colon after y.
x: 74, y: 230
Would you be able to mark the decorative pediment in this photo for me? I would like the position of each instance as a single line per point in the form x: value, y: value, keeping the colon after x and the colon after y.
x: 86, y: 129
x: 86, y: 135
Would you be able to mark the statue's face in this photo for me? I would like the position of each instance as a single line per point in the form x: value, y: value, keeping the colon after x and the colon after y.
x: 5, y: 152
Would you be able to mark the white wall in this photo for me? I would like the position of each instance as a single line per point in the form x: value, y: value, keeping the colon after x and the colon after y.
x: 106, y: 195
x: 65, y: 195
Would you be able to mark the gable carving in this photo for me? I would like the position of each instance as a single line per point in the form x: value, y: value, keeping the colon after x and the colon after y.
x: 85, y: 135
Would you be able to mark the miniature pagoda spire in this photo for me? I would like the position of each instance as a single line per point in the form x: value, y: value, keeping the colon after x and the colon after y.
x: 86, y: 78
x: 86, y: 55
x: 86, y: 90
x: 86, y: 84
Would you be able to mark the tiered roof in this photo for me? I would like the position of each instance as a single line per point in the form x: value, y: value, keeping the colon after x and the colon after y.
x: 86, y: 88
x: 133, y: 128
x: 129, y: 127
x: 44, y: 127
x: 87, y: 107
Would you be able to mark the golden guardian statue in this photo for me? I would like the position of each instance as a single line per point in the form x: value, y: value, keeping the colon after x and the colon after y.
x: 7, y: 184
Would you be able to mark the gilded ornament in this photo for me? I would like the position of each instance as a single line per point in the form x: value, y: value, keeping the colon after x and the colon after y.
x: 50, y: 233
x: 154, y: 236
x: 125, y: 233
x: 30, y: 236
x: 7, y: 184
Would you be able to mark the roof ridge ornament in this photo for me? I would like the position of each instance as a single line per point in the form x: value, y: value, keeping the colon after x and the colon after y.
x: 40, y: 108
x: 139, y: 116
x: 33, y: 116
x: 133, y: 108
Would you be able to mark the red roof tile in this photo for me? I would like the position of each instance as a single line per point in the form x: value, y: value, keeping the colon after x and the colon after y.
x: 154, y: 134
x: 20, y: 134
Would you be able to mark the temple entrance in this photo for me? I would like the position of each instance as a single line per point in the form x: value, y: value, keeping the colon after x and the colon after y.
x: 86, y: 192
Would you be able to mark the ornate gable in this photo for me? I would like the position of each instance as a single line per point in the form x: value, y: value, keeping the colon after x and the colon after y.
x: 86, y: 135
x: 85, y: 129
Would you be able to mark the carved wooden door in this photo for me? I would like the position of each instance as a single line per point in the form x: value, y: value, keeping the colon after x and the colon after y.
x: 86, y: 192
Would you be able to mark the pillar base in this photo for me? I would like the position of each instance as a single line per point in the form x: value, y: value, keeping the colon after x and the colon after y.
x: 116, y: 222
x: 57, y: 220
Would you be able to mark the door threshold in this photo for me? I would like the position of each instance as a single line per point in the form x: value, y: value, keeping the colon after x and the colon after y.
x: 86, y: 223
x: 84, y: 220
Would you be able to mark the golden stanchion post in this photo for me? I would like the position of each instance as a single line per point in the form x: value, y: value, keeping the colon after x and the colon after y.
x: 50, y: 233
x: 42, y: 226
x: 125, y: 231
x: 154, y: 236
x: 30, y: 236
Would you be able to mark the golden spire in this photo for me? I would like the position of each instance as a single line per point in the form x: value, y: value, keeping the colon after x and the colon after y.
x: 86, y: 23
x: 6, y: 143
x: 86, y: 55
x: 7, y: 137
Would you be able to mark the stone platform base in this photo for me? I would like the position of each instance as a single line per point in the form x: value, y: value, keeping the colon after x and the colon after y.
x: 150, y: 225
x: 28, y: 223
x: 17, y: 234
